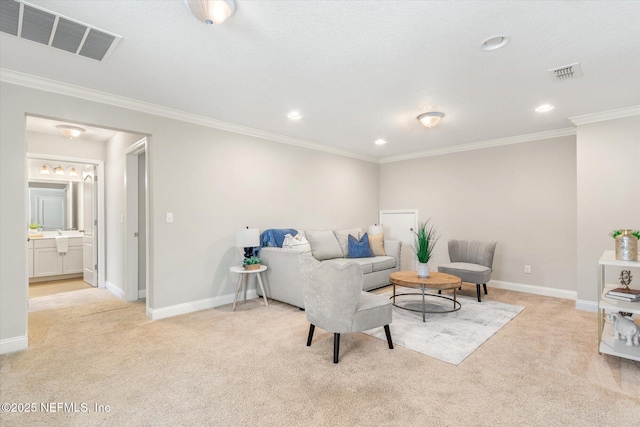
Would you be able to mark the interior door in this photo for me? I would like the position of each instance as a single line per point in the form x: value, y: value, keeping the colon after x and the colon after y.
x: 90, y: 225
x: 400, y: 225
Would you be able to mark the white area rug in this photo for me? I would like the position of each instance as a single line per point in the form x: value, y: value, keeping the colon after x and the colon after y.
x: 449, y: 337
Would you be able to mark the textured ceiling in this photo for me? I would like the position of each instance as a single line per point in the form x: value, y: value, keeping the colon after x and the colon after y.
x: 359, y: 70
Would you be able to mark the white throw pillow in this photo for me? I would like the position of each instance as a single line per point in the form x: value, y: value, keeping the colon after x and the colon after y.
x: 296, y: 243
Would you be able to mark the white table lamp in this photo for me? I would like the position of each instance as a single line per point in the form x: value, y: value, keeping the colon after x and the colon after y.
x: 248, y: 239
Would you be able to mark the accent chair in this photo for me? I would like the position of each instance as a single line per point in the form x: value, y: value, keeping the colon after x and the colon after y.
x: 472, y: 261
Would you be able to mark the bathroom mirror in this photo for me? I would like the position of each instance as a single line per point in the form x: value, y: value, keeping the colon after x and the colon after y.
x: 55, y: 205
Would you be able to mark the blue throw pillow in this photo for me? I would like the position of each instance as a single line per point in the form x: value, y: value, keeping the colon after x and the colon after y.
x: 359, y: 248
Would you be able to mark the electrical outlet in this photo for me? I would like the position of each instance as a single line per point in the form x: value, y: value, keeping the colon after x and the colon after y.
x: 169, y: 217
x: 527, y: 269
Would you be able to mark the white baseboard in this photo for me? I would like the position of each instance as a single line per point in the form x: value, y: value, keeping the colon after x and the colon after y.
x: 190, y: 307
x: 14, y: 344
x: 547, y: 292
x: 114, y: 289
x: 536, y: 290
x: 587, y: 305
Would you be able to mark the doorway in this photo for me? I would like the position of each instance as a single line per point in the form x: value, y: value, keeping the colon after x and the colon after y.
x: 136, y: 220
x: 400, y: 225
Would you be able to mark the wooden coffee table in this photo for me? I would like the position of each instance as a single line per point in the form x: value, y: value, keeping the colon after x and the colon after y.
x: 436, y: 281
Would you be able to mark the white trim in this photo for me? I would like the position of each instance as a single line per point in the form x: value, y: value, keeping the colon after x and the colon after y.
x: 11, y: 345
x: 31, y: 81
x: 114, y: 289
x: 536, y: 290
x: 587, y: 305
x: 606, y: 115
x: 190, y: 307
x: 483, y: 144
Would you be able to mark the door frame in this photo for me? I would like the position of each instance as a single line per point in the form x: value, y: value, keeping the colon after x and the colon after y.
x: 131, y: 242
x: 101, y: 213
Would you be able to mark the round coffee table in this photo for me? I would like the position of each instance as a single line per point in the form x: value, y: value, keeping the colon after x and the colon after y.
x: 436, y: 281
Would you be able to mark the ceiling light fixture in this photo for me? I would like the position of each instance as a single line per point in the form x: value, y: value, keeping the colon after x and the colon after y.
x: 211, y: 12
x: 70, y: 131
x: 294, y: 115
x: 495, y: 42
x: 380, y: 142
x: 430, y: 119
x: 544, y: 108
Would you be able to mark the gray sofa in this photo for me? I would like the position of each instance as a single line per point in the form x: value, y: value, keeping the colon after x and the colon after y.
x: 282, y: 280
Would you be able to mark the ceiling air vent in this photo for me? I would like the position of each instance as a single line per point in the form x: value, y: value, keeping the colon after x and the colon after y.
x: 45, y: 27
x: 566, y: 72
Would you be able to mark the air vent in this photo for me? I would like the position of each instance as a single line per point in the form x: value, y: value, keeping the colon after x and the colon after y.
x: 566, y: 72
x: 45, y: 27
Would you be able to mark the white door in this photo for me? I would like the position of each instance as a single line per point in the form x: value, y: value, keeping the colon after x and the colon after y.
x: 90, y: 225
x: 400, y: 225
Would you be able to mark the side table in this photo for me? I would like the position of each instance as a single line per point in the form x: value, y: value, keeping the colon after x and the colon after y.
x: 243, y: 279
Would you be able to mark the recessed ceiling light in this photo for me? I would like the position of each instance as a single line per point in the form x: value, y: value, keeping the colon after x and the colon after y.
x: 380, y: 142
x: 495, y: 42
x: 544, y: 108
x: 294, y: 115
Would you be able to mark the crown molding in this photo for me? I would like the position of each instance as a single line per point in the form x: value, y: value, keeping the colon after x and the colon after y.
x: 606, y: 115
x: 48, y: 85
x: 483, y: 144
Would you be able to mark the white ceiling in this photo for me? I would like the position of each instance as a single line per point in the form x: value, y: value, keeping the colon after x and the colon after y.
x: 359, y: 70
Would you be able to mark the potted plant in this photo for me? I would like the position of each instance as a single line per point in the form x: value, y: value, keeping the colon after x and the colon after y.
x: 426, y: 239
x: 251, y: 263
x: 34, y: 227
x: 626, y: 244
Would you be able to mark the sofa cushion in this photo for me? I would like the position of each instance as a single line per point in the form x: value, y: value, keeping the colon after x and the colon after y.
x: 297, y: 243
x: 359, y: 248
x: 365, y: 263
x: 380, y: 263
x: 343, y: 238
x: 377, y: 244
x: 324, y: 245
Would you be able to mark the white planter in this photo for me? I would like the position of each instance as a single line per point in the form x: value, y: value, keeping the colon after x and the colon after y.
x: 423, y: 269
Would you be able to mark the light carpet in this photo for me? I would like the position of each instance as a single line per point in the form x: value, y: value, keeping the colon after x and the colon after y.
x: 449, y: 337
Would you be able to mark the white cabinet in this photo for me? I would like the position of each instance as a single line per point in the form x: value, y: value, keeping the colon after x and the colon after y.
x: 607, y: 343
x: 48, y: 262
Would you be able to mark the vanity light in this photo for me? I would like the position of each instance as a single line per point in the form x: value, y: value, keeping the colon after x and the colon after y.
x: 544, y: 108
x: 294, y: 115
x: 380, y: 142
x: 44, y: 170
x: 430, y: 119
x: 211, y: 12
x: 70, y: 131
x: 58, y: 170
x: 73, y: 172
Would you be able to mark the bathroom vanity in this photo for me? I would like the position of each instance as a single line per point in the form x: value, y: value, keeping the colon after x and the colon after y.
x: 46, y: 263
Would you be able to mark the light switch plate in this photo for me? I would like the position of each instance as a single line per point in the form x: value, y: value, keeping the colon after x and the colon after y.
x: 169, y: 218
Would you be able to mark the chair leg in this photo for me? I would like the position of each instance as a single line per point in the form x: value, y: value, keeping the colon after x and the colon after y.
x: 478, y: 292
x: 388, y: 332
x: 484, y: 285
x: 311, y: 329
x: 439, y: 292
x: 336, y: 347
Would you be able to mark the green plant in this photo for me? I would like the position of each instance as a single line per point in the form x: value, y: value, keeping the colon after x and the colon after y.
x: 616, y: 233
x: 34, y: 226
x: 426, y: 239
x: 251, y: 261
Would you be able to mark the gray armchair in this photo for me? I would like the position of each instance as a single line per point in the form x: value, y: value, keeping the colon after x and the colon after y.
x: 472, y: 261
x: 335, y: 302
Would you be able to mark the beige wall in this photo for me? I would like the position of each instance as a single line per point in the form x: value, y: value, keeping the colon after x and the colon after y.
x: 214, y: 182
x: 46, y: 144
x: 522, y: 195
x: 608, y: 165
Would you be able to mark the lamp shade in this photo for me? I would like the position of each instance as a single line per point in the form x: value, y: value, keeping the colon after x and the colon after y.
x: 430, y: 119
x: 248, y: 238
x: 375, y: 229
x: 211, y: 12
